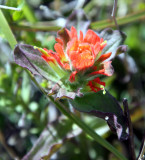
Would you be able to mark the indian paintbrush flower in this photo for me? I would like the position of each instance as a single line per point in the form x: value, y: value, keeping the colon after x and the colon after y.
x: 75, y: 68
x: 78, y: 60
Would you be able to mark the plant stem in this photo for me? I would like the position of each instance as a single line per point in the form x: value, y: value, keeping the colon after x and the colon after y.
x: 131, y: 139
x: 11, y: 39
x: 130, y: 18
x: 10, y: 8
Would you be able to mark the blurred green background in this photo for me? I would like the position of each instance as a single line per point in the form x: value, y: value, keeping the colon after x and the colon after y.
x: 25, y: 113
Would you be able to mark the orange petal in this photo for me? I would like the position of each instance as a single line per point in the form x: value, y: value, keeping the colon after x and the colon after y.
x: 104, y: 57
x: 81, y: 36
x: 101, y: 40
x: 91, y: 37
x: 72, y: 45
x: 59, y: 41
x: 73, y: 55
x: 58, y: 48
x: 66, y: 66
x: 50, y: 54
x: 97, y: 48
x: 73, y: 33
x: 48, y: 59
x: 48, y: 51
x: 102, y: 71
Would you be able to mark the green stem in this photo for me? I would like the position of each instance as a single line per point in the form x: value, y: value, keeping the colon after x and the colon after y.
x: 120, y: 21
x: 11, y: 39
x: 28, y: 13
x: 7, y: 31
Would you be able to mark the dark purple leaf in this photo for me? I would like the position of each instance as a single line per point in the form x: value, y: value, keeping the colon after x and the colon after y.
x: 28, y: 57
x: 63, y: 34
x: 121, y: 49
x: 106, y: 107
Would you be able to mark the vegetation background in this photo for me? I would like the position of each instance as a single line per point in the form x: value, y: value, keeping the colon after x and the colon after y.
x: 28, y: 119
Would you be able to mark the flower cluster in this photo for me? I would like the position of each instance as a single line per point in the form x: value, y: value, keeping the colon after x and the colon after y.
x: 74, y: 71
x: 79, y: 59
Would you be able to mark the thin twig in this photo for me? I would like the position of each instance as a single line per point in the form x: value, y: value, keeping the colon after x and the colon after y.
x: 131, y: 139
x: 10, y: 8
x: 113, y: 15
x: 133, y: 17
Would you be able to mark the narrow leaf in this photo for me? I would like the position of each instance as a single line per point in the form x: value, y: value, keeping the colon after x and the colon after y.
x: 51, y: 139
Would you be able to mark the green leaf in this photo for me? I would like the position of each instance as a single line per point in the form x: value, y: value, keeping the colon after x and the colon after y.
x: 106, y: 107
x: 17, y: 15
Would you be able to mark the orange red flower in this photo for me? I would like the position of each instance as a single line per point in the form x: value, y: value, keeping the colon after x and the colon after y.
x: 81, y: 57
